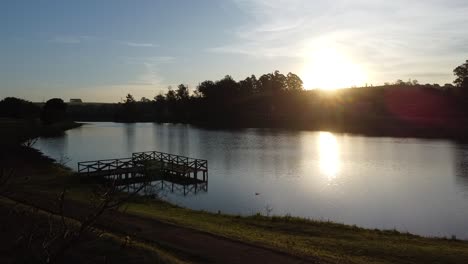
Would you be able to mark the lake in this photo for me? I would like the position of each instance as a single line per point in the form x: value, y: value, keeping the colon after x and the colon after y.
x: 414, y: 185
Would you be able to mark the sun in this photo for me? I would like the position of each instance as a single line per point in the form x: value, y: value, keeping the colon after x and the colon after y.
x: 328, y: 69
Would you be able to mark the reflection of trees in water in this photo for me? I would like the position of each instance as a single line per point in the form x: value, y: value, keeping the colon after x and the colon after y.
x: 172, y: 138
x: 160, y: 137
x: 183, y: 139
x: 212, y: 145
x: 277, y: 150
x: 264, y: 151
x: 461, y: 167
x: 130, y: 135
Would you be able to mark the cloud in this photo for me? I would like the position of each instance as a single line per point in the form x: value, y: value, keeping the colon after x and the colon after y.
x: 140, y: 45
x: 374, y: 33
x: 150, y: 75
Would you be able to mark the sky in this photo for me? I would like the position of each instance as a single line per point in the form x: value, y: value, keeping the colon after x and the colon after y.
x: 100, y: 50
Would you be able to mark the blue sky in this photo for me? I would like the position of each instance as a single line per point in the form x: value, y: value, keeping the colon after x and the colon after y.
x: 100, y: 50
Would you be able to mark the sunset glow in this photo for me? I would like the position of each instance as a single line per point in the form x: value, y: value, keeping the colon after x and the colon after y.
x: 329, y: 69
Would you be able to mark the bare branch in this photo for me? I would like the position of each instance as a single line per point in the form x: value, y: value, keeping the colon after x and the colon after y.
x: 29, y: 143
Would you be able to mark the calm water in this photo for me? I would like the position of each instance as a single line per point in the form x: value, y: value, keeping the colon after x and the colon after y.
x: 414, y: 185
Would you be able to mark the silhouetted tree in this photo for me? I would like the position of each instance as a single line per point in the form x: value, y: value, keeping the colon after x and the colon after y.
x: 129, y: 109
x: 272, y: 82
x: 129, y: 99
x: 207, y: 89
x: 145, y: 100
x: 226, y: 88
x: 462, y: 74
x: 279, y: 81
x: 182, y: 92
x: 171, y: 96
x: 160, y: 107
x: 265, y: 83
x: 293, y: 82
x: 248, y: 86
x: 465, y: 83
x: 399, y: 82
x: 54, y: 111
x: 159, y: 98
x: 18, y: 108
x: 446, y: 86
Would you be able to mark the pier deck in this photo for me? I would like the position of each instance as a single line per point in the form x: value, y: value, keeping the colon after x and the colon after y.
x: 146, y: 167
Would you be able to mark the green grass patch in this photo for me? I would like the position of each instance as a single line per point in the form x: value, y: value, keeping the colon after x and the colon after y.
x: 332, y: 242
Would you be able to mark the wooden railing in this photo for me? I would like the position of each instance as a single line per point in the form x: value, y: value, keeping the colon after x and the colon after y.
x: 175, y: 163
x: 171, y: 160
x: 106, y: 165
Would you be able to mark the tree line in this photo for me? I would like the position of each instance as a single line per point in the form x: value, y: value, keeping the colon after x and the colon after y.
x: 22, y: 121
x: 275, y: 99
x: 53, y: 111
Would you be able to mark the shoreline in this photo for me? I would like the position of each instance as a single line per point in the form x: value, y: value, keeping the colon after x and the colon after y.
x: 330, y: 242
x: 260, y: 215
x: 390, y: 227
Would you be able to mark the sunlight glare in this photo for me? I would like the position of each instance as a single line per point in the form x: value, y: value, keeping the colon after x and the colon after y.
x: 328, y: 69
x: 328, y: 154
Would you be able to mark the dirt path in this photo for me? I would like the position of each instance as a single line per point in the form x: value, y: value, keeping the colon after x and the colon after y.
x: 189, y: 244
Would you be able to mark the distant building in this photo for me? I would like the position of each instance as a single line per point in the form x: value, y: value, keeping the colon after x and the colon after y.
x: 76, y: 101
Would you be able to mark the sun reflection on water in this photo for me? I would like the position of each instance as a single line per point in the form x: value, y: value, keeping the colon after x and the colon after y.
x: 329, y: 155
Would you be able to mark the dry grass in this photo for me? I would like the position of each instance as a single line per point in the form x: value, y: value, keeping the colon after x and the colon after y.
x: 24, y: 230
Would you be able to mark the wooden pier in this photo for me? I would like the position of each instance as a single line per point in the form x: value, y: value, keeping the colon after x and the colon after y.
x: 146, y: 167
x: 181, y: 166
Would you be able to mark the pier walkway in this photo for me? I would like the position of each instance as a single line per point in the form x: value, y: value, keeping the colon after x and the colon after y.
x: 145, y: 167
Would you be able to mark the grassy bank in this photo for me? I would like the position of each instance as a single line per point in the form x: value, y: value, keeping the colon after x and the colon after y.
x: 98, y: 246
x: 328, y: 242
